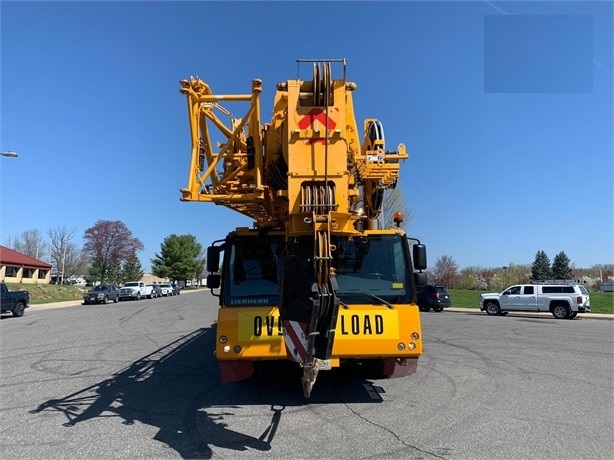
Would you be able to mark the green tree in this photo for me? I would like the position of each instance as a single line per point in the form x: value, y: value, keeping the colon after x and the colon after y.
x: 540, y: 269
x: 114, y: 273
x: 560, y: 267
x: 132, y: 270
x: 181, y: 258
x: 93, y: 273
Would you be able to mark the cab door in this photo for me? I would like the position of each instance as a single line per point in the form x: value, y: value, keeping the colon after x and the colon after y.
x: 528, y: 299
x: 510, y: 299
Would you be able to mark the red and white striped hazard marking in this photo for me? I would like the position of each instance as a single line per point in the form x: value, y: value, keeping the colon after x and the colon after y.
x: 295, y: 338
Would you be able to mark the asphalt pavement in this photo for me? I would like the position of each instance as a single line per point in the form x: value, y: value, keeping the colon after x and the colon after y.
x: 76, y: 303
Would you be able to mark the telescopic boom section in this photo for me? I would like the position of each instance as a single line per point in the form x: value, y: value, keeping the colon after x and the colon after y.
x: 306, y: 172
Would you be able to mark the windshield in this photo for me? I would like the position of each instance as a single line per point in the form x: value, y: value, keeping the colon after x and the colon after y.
x: 131, y: 284
x: 376, y: 264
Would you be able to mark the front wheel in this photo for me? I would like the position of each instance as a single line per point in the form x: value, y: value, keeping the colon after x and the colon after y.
x: 561, y: 311
x: 138, y: 296
x: 116, y: 299
x: 423, y: 306
x: 492, y: 308
x: 573, y: 314
x: 19, y: 309
x: 438, y: 309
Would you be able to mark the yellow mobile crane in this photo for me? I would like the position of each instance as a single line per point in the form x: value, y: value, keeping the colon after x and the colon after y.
x: 314, y: 281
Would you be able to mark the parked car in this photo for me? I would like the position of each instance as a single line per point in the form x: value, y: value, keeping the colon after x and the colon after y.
x: 176, y: 289
x: 102, y: 293
x: 562, y: 299
x: 167, y: 289
x: 135, y: 290
x: 435, y: 297
x: 156, y: 290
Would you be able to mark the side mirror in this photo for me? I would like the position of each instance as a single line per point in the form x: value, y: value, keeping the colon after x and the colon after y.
x: 213, y: 259
x: 213, y: 281
x: 419, y: 255
x: 420, y: 278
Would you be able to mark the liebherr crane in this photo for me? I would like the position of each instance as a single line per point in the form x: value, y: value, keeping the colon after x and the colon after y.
x: 314, y: 280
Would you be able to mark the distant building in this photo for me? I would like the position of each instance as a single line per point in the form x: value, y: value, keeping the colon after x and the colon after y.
x: 16, y: 267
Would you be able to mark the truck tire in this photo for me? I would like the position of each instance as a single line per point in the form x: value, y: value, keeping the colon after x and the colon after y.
x: 19, y: 309
x: 138, y: 296
x: 423, y: 306
x: 105, y: 300
x: 573, y: 314
x: 492, y: 308
x: 438, y: 309
x: 561, y: 311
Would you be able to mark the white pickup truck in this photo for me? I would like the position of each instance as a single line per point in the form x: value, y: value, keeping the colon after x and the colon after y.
x: 562, y: 300
x: 135, y: 290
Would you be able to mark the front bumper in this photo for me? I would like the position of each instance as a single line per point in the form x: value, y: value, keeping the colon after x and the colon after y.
x: 93, y: 299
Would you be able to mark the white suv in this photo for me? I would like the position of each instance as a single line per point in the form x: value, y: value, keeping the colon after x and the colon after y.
x: 563, y: 300
x: 167, y: 289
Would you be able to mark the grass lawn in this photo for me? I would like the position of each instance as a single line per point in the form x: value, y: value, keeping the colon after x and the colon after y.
x: 601, y: 302
x: 47, y: 293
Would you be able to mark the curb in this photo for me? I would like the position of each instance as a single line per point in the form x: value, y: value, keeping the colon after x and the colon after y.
x: 527, y: 314
x: 79, y: 303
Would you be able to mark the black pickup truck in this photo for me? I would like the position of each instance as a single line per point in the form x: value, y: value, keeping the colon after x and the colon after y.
x: 14, y: 301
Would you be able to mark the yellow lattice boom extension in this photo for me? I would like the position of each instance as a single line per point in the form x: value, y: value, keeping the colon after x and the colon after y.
x: 309, y: 160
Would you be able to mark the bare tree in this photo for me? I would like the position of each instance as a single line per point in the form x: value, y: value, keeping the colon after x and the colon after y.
x: 445, y: 271
x: 77, y: 261
x: 61, y: 249
x: 393, y: 202
x: 110, y: 242
x: 31, y: 243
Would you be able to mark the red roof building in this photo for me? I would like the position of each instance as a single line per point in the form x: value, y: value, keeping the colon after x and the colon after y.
x: 16, y: 267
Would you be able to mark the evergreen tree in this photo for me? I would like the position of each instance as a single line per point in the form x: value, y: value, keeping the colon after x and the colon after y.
x: 560, y: 267
x: 93, y: 274
x: 181, y: 258
x: 114, y: 273
x: 132, y: 269
x: 541, y: 267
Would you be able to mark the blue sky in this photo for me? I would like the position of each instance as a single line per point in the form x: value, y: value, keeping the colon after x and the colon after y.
x: 505, y: 109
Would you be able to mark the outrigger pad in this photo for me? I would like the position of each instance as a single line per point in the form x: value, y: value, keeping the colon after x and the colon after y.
x: 235, y: 371
x: 400, y: 367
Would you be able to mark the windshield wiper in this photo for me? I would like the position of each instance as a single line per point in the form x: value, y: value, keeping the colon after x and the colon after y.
x: 373, y: 296
x: 385, y: 302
